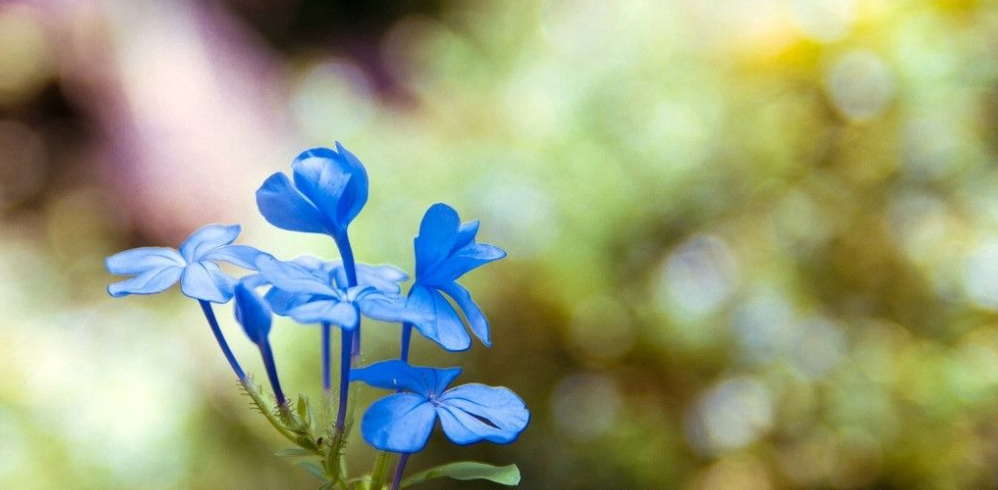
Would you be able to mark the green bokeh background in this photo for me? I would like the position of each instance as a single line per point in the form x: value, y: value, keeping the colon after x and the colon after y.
x: 753, y: 244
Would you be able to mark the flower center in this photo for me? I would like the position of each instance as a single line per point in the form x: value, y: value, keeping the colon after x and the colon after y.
x: 434, y: 399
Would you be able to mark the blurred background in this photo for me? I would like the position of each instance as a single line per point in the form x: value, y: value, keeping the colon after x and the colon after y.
x: 753, y: 244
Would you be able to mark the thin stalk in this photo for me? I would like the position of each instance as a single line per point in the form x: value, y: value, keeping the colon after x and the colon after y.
x: 345, y: 364
x: 327, y: 382
x: 350, y: 268
x: 399, y: 469
x: 346, y: 253
x: 209, y: 314
x: 262, y: 404
x: 382, y: 468
x: 406, y: 337
x: 275, y: 383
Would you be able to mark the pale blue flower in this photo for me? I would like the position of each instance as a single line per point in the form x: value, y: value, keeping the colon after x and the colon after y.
x: 155, y: 269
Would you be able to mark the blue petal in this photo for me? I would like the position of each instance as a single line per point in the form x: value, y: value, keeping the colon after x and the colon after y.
x: 335, y: 181
x: 438, y: 233
x: 466, y: 234
x: 462, y: 261
x: 446, y: 327
x: 205, y: 281
x: 254, y: 280
x: 206, y: 239
x: 152, y: 281
x: 253, y: 313
x: 389, y: 308
x: 282, y: 302
x: 342, y: 314
x: 292, y: 277
x: 384, y: 278
x: 479, y: 324
x: 321, y: 269
x: 400, y: 423
x: 318, y: 176
x: 356, y: 195
x: 144, y: 259
x: 284, y: 207
x: 475, y: 412
x: 399, y: 375
x: 241, y: 255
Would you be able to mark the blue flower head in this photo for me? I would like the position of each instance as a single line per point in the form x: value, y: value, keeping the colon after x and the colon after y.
x: 384, y: 278
x: 194, y: 265
x: 314, y: 294
x: 329, y: 190
x: 470, y: 413
x: 253, y: 313
x: 446, y: 250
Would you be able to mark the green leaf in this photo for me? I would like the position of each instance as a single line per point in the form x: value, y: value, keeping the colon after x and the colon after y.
x: 314, y: 468
x: 328, y: 485
x: 304, y: 411
x: 293, y: 452
x: 469, y: 470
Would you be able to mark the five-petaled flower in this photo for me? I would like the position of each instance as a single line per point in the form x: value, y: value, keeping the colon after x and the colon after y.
x: 446, y: 250
x: 317, y: 297
x: 157, y: 268
x: 402, y: 422
x: 384, y: 278
x: 329, y: 190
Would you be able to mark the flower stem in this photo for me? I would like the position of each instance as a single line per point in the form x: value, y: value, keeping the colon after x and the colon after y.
x: 268, y: 362
x: 382, y: 468
x: 346, y: 253
x: 350, y: 268
x: 209, y: 314
x: 264, y: 407
x: 406, y: 337
x: 327, y: 382
x: 345, y: 362
x: 399, y: 469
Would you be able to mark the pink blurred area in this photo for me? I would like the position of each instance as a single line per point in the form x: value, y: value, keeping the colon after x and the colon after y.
x: 184, y: 107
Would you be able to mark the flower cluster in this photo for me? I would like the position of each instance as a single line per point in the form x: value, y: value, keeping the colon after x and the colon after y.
x: 327, y: 190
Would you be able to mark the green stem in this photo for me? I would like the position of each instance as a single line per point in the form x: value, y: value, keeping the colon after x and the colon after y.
x: 382, y: 468
x: 257, y: 397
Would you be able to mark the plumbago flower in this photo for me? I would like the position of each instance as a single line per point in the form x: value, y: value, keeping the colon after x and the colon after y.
x: 194, y: 265
x: 384, y: 278
x: 316, y: 296
x: 445, y: 251
x: 329, y: 190
x: 254, y: 314
x: 470, y: 413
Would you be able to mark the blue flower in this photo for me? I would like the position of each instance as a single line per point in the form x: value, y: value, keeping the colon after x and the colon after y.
x: 313, y: 295
x: 253, y: 313
x: 329, y: 190
x: 446, y: 250
x: 384, y: 278
x: 157, y: 268
x: 470, y: 413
